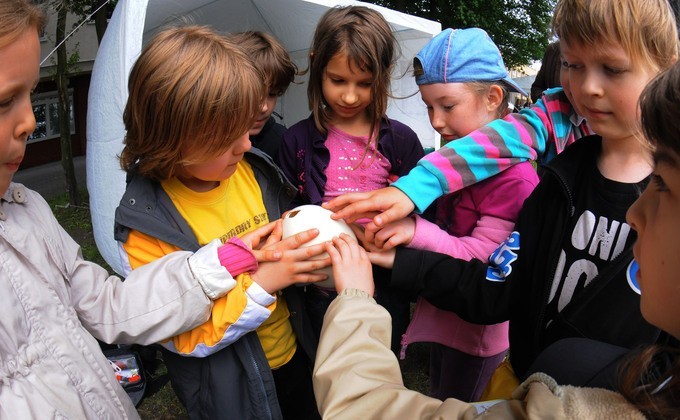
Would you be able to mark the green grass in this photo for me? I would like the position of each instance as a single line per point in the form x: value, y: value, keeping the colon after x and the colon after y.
x: 164, y: 403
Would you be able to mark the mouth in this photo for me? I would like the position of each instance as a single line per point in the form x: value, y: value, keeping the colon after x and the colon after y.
x: 13, y: 165
x: 596, y: 113
x: 636, y: 257
x: 348, y: 109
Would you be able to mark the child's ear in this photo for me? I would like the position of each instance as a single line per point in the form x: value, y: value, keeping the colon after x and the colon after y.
x: 494, y: 97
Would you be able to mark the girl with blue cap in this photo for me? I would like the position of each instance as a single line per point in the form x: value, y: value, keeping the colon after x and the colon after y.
x: 464, y: 84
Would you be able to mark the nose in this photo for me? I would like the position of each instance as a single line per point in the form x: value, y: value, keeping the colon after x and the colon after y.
x: 436, y: 120
x: 26, y: 122
x: 591, y: 84
x: 634, y: 215
x: 350, y: 96
x: 242, y: 144
x: 264, y: 107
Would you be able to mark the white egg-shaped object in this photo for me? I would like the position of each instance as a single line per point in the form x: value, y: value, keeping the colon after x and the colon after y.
x: 309, y: 216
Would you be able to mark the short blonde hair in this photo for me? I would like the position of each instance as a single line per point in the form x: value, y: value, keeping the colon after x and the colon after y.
x: 645, y: 29
x: 483, y: 87
x: 16, y: 17
x: 192, y: 93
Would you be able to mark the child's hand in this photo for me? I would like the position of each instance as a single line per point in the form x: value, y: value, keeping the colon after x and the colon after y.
x: 273, y: 246
x: 396, y: 233
x: 379, y: 257
x: 351, y: 266
x: 384, y: 259
x: 263, y: 236
x: 391, y: 201
x: 294, y: 265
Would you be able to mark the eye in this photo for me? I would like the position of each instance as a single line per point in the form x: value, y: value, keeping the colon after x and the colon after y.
x: 365, y: 84
x: 659, y: 183
x: 6, y: 103
x: 569, y: 65
x: 448, y: 107
x: 613, y: 70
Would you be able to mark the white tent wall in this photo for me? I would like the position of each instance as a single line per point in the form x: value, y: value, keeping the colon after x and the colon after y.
x: 291, y: 21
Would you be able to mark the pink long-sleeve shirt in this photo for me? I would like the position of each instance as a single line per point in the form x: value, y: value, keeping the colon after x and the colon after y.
x: 469, y: 224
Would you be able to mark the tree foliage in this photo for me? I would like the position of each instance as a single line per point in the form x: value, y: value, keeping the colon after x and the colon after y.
x: 520, y: 28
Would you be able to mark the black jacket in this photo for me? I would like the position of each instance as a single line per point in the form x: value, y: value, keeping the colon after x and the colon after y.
x: 242, y: 367
x: 270, y: 138
x: 607, y: 310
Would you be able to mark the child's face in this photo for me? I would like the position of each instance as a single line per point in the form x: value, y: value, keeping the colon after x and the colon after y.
x: 19, y: 74
x: 205, y: 176
x: 455, y: 110
x: 655, y: 217
x: 346, y: 89
x: 266, y: 110
x: 605, y: 85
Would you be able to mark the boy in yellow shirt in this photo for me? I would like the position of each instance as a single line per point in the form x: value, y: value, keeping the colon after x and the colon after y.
x: 194, y: 96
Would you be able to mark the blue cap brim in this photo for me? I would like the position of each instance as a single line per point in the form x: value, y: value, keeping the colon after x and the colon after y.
x: 514, y: 87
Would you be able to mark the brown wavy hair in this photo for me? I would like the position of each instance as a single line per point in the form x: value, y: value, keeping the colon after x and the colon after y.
x: 192, y: 93
x: 650, y: 378
x: 367, y: 39
x: 17, y: 16
x: 270, y: 57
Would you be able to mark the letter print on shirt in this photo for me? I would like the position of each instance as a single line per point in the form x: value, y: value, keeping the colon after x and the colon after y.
x: 500, y: 261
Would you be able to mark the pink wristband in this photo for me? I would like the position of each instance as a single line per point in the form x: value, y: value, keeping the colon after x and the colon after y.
x: 236, y: 257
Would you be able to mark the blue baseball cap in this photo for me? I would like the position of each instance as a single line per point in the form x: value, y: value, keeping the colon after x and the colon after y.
x: 460, y: 56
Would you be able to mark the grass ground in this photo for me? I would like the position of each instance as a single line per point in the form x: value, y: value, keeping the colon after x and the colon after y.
x: 163, y: 403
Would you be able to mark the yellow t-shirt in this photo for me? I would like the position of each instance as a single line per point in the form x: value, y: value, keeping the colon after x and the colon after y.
x: 234, y: 208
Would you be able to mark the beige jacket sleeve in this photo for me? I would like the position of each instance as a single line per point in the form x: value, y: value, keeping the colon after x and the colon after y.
x: 356, y: 376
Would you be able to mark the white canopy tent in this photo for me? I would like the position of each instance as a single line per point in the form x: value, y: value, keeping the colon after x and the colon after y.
x: 291, y: 21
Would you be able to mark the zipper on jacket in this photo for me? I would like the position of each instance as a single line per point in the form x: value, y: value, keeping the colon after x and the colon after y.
x: 556, y: 258
x: 259, y: 376
x: 404, y: 346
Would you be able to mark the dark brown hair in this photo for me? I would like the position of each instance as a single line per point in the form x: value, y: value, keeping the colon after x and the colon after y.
x: 650, y: 380
x: 270, y: 57
x: 17, y: 16
x: 659, y: 103
x: 192, y: 93
x: 367, y: 39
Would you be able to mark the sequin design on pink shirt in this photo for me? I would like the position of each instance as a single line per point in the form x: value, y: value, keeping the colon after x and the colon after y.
x: 346, y: 171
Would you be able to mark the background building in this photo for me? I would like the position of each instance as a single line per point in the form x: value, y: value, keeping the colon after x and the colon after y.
x: 43, y: 145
